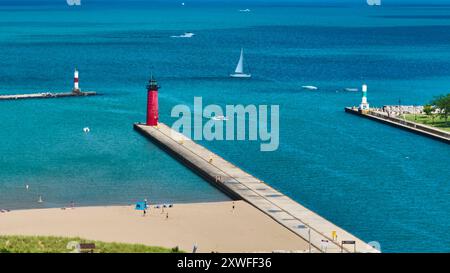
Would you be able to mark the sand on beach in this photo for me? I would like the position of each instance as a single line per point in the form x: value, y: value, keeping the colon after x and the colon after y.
x: 211, y: 226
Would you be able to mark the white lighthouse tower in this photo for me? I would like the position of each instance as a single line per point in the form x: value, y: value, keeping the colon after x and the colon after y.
x: 76, y: 88
x: 364, y: 106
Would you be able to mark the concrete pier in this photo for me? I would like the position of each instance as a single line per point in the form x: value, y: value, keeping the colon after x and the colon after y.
x: 47, y: 95
x: 413, y: 127
x: 243, y: 186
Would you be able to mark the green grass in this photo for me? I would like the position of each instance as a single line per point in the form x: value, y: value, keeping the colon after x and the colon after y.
x: 424, y: 119
x: 41, y: 244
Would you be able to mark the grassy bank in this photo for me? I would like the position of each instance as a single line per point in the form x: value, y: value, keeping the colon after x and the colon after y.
x: 40, y: 244
x: 427, y: 120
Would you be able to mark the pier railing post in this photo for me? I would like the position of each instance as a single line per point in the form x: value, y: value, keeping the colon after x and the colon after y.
x: 309, y: 239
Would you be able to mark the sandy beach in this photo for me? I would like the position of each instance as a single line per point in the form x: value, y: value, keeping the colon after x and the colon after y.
x: 212, y: 226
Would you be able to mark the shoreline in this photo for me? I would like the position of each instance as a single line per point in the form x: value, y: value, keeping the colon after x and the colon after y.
x: 211, y: 226
x: 103, y: 205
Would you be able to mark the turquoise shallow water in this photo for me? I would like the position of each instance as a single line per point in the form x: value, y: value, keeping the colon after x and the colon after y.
x: 378, y: 182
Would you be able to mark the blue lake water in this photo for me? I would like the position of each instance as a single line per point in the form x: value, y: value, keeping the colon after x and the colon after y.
x: 380, y: 183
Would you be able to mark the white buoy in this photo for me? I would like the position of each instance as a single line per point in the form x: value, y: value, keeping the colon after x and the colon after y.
x: 27, y: 186
x: 86, y: 130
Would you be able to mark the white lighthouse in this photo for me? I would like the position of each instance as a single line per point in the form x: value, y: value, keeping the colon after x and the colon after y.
x: 76, y: 88
x: 364, y: 106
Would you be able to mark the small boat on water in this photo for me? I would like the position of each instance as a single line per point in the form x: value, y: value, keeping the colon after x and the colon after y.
x: 220, y: 118
x: 239, y: 72
x: 244, y: 10
x: 310, y: 87
x: 185, y: 35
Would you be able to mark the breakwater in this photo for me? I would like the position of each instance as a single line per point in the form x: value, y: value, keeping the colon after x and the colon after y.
x: 47, y: 95
x: 410, y: 126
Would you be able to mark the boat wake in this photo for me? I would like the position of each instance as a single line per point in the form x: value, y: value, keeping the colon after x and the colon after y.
x: 351, y: 89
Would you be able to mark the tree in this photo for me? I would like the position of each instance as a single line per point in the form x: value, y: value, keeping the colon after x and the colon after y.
x: 443, y: 104
x: 428, y: 109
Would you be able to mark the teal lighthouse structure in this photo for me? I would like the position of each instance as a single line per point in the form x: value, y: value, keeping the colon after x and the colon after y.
x: 364, y: 106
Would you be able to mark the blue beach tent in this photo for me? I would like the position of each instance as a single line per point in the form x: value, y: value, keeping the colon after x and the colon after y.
x: 141, y: 205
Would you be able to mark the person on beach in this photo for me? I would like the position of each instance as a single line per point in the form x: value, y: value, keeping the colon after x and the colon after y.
x: 144, y: 212
x: 145, y: 206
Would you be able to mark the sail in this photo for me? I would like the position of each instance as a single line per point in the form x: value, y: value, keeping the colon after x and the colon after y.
x: 240, y: 65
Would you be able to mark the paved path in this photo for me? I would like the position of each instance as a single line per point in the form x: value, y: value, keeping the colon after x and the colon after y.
x: 242, y: 185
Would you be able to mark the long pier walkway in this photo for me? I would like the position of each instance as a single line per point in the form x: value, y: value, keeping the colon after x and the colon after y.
x: 46, y: 95
x: 241, y: 185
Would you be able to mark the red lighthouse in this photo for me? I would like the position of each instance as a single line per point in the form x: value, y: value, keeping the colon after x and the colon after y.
x: 152, y: 102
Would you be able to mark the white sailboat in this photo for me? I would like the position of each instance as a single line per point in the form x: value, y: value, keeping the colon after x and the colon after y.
x: 239, y: 72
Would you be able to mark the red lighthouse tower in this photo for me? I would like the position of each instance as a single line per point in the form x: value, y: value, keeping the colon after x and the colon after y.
x: 152, y: 102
